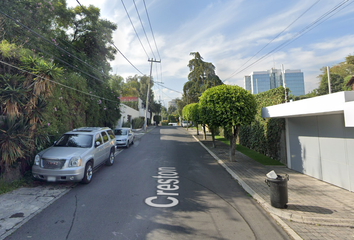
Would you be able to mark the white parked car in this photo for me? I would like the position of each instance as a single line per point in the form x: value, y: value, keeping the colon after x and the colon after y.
x: 124, y: 137
x: 75, y: 155
x: 185, y: 124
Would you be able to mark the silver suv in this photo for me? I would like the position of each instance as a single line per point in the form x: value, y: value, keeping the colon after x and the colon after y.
x: 75, y: 155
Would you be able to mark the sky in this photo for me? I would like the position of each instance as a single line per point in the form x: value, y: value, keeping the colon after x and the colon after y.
x: 236, y: 36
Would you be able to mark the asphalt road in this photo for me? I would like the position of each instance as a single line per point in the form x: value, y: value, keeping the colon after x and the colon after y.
x: 165, y: 186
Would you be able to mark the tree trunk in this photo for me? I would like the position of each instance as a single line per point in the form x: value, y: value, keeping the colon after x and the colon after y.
x: 204, y: 131
x: 213, y: 136
x: 233, y: 138
x: 197, y: 129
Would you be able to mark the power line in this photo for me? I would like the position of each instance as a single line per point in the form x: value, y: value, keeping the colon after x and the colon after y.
x: 59, y: 59
x: 273, y: 39
x: 127, y: 59
x: 134, y: 28
x: 321, y: 20
x: 115, y: 45
x: 144, y: 30
x: 152, y: 32
x: 309, y: 27
x: 168, y: 88
x: 39, y: 35
x: 63, y: 85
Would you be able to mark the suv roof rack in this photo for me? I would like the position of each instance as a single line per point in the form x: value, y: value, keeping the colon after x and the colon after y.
x: 89, y: 129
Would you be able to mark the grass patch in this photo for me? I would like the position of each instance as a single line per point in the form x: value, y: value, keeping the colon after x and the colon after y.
x: 252, y: 154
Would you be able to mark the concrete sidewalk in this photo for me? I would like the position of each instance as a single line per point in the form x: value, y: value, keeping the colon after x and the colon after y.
x: 316, y: 209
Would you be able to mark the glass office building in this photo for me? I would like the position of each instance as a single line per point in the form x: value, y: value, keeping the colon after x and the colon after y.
x: 262, y: 81
x: 294, y: 80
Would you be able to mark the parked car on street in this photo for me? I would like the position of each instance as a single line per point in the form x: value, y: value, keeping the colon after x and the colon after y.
x: 185, y: 124
x: 75, y: 155
x: 124, y: 137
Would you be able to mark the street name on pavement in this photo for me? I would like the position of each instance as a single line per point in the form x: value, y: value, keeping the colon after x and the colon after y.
x: 166, y: 189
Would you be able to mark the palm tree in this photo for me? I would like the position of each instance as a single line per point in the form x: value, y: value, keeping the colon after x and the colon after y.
x: 12, y: 95
x: 15, y: 144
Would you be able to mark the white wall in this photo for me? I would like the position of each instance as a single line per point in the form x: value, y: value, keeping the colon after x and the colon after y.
x: 125, y: 111
x: 320, y: 136
x: 322, y: 147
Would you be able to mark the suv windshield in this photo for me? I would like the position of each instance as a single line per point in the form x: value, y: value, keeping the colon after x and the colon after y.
x: 74, y: 140
x: 120, y: 132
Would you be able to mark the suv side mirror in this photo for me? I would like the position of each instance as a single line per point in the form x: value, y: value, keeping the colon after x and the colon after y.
x: 97, y: 144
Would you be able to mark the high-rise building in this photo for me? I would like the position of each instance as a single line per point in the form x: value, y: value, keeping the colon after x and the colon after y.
x: 172, y: 103
x: 262, y: 81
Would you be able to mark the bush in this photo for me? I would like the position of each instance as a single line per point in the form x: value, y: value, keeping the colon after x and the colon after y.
x: 164, y: 122
x: 138, y: 123
x: 263, y: 135
x: 126, y: 124
x: 173, y: 118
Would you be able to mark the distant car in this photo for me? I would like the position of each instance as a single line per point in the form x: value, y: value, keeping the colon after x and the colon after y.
x: 75, y: 155
x: 124, y: 137
x: 173, y: 124
x: 185, y: 124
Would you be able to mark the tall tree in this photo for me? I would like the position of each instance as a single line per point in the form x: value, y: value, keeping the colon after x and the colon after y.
x: 201, y: 77
x: 337, y: 84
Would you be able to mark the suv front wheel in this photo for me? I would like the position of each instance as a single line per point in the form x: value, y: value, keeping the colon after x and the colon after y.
x: 88, y: 173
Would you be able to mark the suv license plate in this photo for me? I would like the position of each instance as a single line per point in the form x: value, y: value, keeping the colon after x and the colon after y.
x: 51, y: 179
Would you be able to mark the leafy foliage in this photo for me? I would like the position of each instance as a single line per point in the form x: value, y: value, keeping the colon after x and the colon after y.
x: 15, y: 140
x: 46, y: 109
x: 263, y: 135
x: 138, y: 123
x: 157, y: 119
x: 201, y: 77
x: 229, y: 107
x: 172, y: 118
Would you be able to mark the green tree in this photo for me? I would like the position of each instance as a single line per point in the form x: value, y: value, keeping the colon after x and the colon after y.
x: 171, y: 109
x: 15, y: 144
x: 164, y: 112
x: 201, y: 77
x: 186, y: 113
x: 157, y: 119
x: 349, y: 59
x: 229, y: 107
x: 191, y: 113
x: 337, y: 84
x: 180, y: 105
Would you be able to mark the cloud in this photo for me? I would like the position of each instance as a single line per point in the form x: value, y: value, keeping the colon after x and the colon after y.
x: 228, y: 34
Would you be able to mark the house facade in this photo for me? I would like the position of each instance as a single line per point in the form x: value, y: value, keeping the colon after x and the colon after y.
x: 129, y: 113
x: 320, y: 136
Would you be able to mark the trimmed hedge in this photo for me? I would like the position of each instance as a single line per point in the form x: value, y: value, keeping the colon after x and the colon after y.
x: 264, y: 135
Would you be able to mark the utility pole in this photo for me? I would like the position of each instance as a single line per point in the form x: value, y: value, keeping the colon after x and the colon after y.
x: 148, y: 93
x: 329, y: 81
x: 283, y: 75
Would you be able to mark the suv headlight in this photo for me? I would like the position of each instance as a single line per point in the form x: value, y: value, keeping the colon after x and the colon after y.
x: 37, y: 159
x: 75, y: 162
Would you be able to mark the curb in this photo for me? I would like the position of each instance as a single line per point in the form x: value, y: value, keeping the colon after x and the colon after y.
x: 29, y: 217
x: 336, y: 222
x: 260, y: 200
